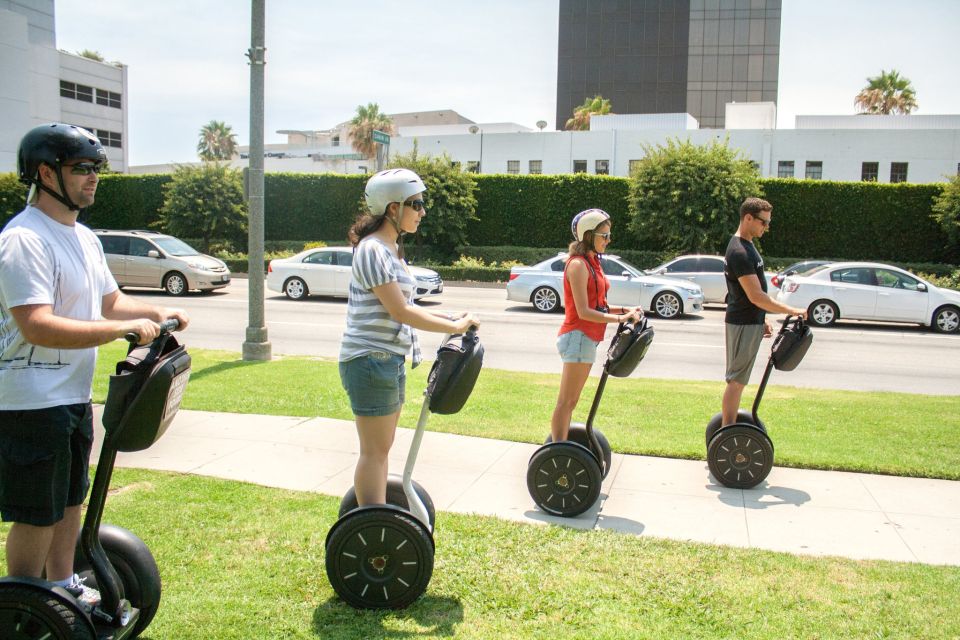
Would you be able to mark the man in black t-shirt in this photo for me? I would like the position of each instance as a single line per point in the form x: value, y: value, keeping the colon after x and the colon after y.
x: 747, y: 302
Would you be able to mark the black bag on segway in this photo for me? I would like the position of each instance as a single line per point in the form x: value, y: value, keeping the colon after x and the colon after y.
x: 791, y: 345
x: 628, y: 348
x: 145, y: 393
x: 454, y: 373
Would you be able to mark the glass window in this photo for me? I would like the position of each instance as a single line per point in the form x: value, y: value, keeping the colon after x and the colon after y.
x: 344, y: 258
x: 603, y: 167
x: 712, y: 265
x: 108, y: 98
x: 785, y: 169
x: 176, y: 246
x: 634, y: 165
x: 683, y: 266
x: 579, y: 166
x: 118, y: 245
x: 513, y: 167
x: 612, y: 267
x: 109, y: 138
x: 473, y: 166
x: 139, y: 247
x: 68, y: 89
x: 557, y: 265
x: 898, y: 172
x: 320, y: 257
x: 869, y: 171
x: 896, y: 280
x: 814, y: 169
x: 853, y: 276
x: 84, y: 93
x: 536, y: 167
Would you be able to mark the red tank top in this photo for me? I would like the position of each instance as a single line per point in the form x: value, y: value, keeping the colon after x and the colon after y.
x: 597, y: 287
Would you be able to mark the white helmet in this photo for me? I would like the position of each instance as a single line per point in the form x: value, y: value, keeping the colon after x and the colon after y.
x: 587, y: 221
x: 392, y: 185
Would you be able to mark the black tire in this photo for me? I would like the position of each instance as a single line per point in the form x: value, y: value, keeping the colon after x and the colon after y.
x: 295, y: 289
x: 740, y: 456
x: 578, y: 434
x: 667, y: 305
x: 563, y: 478
x: 29, y: 614
x: 946, y: 319
x: 395, y: 496
x: 743, y: 417
x: 379, y: 558
x: 175, y: 284
x: 135, y: 567
x: 545, y: 299
x: 822, y: 313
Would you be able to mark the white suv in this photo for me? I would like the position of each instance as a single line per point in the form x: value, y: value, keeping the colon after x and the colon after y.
x: 150, y: 259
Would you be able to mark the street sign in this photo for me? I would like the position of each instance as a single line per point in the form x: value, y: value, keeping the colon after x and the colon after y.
x: 381, y: 137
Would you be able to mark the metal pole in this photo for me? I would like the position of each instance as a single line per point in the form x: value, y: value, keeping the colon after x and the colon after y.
x: 256, y: 346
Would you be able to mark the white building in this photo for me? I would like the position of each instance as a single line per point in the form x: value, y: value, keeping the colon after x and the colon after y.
x: 39, y: 84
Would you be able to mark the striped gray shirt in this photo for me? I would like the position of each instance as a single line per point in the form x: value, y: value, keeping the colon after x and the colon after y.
x: 369, y: 325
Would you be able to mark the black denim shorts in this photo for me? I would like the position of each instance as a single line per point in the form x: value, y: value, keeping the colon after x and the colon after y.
x: 44, y: 462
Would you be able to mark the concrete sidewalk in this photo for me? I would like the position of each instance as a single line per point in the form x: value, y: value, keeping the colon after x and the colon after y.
x: 798, y: 511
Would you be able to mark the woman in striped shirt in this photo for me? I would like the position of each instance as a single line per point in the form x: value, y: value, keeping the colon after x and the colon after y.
x: 381, y: 322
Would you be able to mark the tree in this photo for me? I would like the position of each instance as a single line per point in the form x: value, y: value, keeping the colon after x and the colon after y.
x: 368, y: 119
x: 91, y: 54
x: 580, y: 121
x: 204, y: 202
x: 217, y: 141
x: 946, y: 210
x: 450, y: 199
x: 886, y: 94
x: 686, y: 198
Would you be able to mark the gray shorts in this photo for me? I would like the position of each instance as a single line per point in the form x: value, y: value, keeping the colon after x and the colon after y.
x: 743, y: 342
x: 575, y: 346
x: 375, y: 382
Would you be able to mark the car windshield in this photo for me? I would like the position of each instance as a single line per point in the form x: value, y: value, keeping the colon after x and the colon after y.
x: 176, y: 247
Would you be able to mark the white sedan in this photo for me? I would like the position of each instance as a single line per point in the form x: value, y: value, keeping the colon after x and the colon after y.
x: 542, y: 284
x: 871, y: 291
x: 326, y: 272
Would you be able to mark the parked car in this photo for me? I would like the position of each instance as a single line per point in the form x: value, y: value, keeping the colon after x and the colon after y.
x: 706, y: 270
x: 542, y: 285
x: 871, y: 291
x: 150, y: 259
x: 798, y: 268
x: 326, y: 271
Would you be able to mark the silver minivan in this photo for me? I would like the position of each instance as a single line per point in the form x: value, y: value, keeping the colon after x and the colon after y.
x: 150, y: 259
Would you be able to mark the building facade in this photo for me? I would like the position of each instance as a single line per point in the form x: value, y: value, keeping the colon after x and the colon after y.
x: 668, y: 56
x: 39, y: 84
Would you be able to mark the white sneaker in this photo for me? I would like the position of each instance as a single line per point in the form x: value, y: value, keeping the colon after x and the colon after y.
x: 88, y: 597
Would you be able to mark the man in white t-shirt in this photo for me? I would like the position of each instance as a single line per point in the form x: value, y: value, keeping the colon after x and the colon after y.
x: 58, y: 302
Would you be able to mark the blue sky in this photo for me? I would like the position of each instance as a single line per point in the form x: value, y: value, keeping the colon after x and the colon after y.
x: 492, y: 61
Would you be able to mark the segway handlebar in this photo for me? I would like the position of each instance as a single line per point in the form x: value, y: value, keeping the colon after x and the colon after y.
x: 165, y: 327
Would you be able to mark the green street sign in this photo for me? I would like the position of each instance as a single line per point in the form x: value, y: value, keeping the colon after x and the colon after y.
x: 381, y: 137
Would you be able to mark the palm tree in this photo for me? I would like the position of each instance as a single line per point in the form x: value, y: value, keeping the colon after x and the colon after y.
x: 368, y: 119
x: 597, y: 105
x: 886, y: 94
x: 217, y: 141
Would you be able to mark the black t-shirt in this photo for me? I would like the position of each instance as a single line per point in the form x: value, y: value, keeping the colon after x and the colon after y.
x: 742, y: 260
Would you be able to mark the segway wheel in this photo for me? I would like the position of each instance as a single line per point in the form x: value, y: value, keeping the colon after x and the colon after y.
x: 740, y: 456
x: 30, y: 614
x: 135, y: 567
x: 379, y: 558
x: 563, y: 478
x: 395, y: 496
x: 743, y: 417
x: 578, y: 434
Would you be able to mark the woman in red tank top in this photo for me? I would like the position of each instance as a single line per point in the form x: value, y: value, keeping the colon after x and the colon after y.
x: 587, y: 312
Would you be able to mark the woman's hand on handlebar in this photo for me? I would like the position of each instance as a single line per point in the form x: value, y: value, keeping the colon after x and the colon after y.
x: 466, y: 321
x: 632, y: 315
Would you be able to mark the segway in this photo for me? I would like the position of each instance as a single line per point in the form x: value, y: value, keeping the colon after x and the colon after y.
x: 381, y: 556
x: 142, y: 400
x: 740, y: 455
x: 564, y: 478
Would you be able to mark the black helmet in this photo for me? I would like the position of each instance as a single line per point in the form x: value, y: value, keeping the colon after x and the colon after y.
x: 55, y: 144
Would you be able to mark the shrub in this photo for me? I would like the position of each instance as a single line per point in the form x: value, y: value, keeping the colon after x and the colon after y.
x: 946, y: 211
x: 206, y: 201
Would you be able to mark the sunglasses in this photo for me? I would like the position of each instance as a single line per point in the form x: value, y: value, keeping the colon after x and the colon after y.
x: 765, y: 222
x: 605, y: 236
x: 84, y: 168
x: 417, y: 205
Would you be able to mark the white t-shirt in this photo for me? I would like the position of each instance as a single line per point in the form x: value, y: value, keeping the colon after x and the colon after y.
x: 45, y: 262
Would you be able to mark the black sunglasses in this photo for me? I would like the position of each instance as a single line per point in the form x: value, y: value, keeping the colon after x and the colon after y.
x: 84, y: 168
x: 417, y: 205
x: 765, y: 222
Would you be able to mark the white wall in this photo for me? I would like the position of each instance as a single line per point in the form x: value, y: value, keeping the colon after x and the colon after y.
x: 15, y: 87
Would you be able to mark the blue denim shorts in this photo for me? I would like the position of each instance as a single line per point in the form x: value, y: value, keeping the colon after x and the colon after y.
x: 375, y: 382
x: 575, y: 346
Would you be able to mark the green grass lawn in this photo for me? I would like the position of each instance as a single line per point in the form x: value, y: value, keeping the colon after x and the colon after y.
x: 244, y: 562
x: 894, y: 433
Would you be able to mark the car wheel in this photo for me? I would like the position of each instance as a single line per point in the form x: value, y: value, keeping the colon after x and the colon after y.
x: 667, y: 305
x: 295, y: 289
x: 175, y: 284
x: 947, y: 320
x: 823, y: 313
x: 545, y: 299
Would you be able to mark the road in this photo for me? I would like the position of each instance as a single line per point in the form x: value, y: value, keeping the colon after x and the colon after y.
x: 852, y: 355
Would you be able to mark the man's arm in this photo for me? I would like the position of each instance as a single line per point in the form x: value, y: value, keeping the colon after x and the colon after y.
x: 41, y: 327
x: 120, y: 306
x: 756, y: 294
